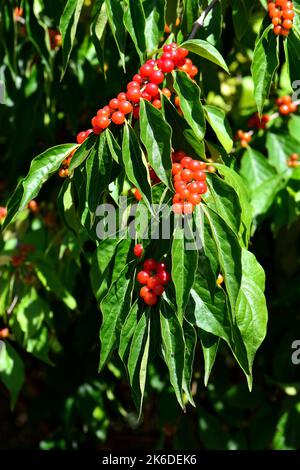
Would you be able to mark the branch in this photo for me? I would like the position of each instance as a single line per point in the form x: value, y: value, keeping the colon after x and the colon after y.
x: 200, y: 21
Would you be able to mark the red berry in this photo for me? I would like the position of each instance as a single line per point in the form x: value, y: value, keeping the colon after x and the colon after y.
x: 146, y: 96
x: 188, y: 208
x: 153, y: 282
x: 284, y: 109
x: 166, y: 92
x: 179, y: 185
x: 150, y: 264
x: 287, y: 24
x: 146, y: 70
x: 181, y: 52
x: 122, y: 96
x: 176, y: 168
x: 102, y: 121
x: 138, y: 250
x: 196, y: 165
x: 114, y: 103
x: 137, y: 78
x: 186, y: 175
x: 157, y: 104
x: 138, y: 196
x: 151, y: 89
x: 157, y: 77
x: 143, y: 277
x: 186, y: 162
x: 136, y: 112
x: 193, y: 71
x: 81, y: 137
x: 193, y: 187
x: 158, y: 290
x: 167, y: 66
x: 163, y: 276
x: 184, y: 193
x: 177, y: 208
x: 161, y: 266
x: 202, y: 187
x: 125, y: 107
x: 195, y: 199
x: 199, y: 175
x: 134, y: 94
x: 144, y: 291
x: 150, y: 299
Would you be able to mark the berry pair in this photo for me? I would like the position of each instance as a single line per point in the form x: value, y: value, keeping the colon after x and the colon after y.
x: 154, y: 277
x: 286, y: 106
x: 293, y: 161
x: 282, y: 14
x: 244, y: 138
x: 189, y: 182
x: 64, y: 170
x: 255, y: 122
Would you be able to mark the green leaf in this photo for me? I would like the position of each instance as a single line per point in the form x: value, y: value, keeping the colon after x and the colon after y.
x: 218, y: 121
x: 128, y: 330
x: 280, y: 147
x: 291, y: 49
x: 9, y: 36
x: 135, y: 163
x: 223, y: 199
x: 138, y: 360
x: 206, y: 50
x: 190, y: 340
x: 98, y: 30
x: 183, y: 137
x: 114, y: 147
x: 287, y: 433
x: 156, y: 136
x: 82, y: 152
x: 68, y: 27
x: 135, y: 23
x: 189, y: 94
x: 36, y: 33
x: 210, y: 345
x: 228, y: 253
x: 155, y: 22
x: 66, y: 206
x: 237, y: 183
x: 173, y: 347
x: 11, y: 370
x: 251, y: 309
x: 184, y: 265
x: 115, y: 13
x: 265, y: 194
x: 190, y: 14
x: 114, y: 308
x: 264, y: 65
x: 52, y: 283
x: 294, y: 127
x: 241, y: 11
x: 41, y: 168
x: 255, y: 168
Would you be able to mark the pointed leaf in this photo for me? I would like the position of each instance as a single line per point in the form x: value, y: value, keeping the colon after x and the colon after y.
x: 68, y: 27
x: 218, y: 121
x: 206, y: 50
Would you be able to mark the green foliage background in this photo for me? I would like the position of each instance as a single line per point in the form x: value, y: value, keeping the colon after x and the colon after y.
x: 51, y: 94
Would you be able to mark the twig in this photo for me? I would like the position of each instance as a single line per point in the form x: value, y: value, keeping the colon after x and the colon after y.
x: 200, y: 21
x: 13, y: 304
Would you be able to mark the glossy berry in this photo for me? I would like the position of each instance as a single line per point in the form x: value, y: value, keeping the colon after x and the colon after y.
x: 138, y: 250
x: 156, y: 77
x: 153, y: 281
x: 143, y: 277
x: 134, y: 94
x: 144, y: 291
x: 81, y: 137
x: 125, y: 107
x: 163, y: 276
x: 150, y: 299
x: 150, y: 264
x: 151, y: 89
x: 118, y: 118
x: 158, y: 290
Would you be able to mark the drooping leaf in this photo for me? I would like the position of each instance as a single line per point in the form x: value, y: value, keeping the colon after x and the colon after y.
x: 184, y: 265
x: 155, y: 22
x: 173, y: 347
x: 264, y: 65
x: 115, y: 13
x: 138, y: 359
x: 255, y: 168
x: 210, y: 344
x: 82, y: 152
x: 127, y: 331
x: 218, y: 121
x: 135, y: 23
x: 135, y: 163
x: 42, y: 167
x: 156, y: 136
x: 11, y: 370
x: 206, y: 50
x: 241, y: 11
x: 190, y: 340
x: 68, y: 27
x: 190, y: 104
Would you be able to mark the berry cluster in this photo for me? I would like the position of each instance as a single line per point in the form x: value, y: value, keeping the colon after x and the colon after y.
x: 282, y: 14
x: 286, y: 105
x: 293, y: 160
x: 189, y: 182
x: 20, y: 258
x: 4, y: 333
x: 255, y: 122
x: 154, y: 278
x: 244, y: 138
x: 144, y: 85
x: 3, y: 213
